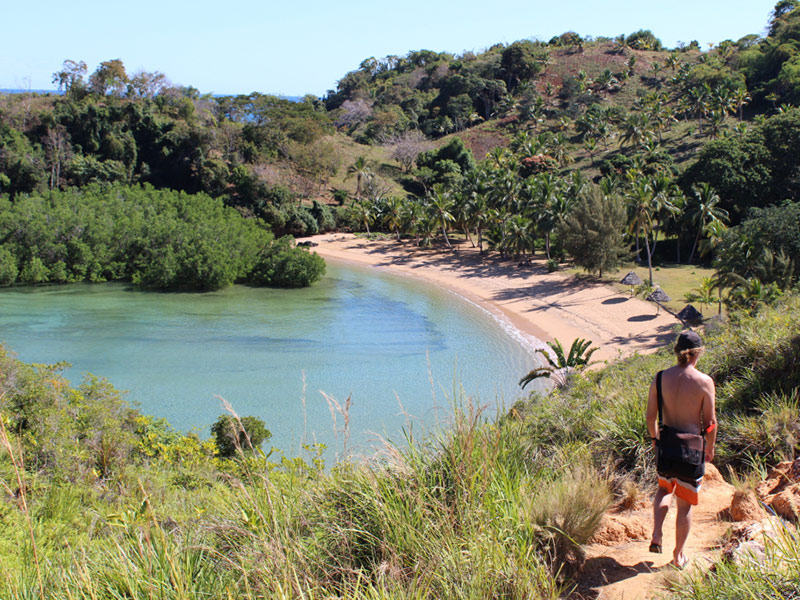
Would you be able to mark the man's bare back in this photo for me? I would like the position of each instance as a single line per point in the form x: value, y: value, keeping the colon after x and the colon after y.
x: 684, y: 389
x: 689, y: 399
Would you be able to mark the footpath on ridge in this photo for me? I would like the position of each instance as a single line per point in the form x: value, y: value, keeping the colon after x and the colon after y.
x: 618, y: 565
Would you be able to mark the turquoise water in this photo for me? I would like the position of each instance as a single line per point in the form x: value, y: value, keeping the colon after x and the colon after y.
x: 377, y: 338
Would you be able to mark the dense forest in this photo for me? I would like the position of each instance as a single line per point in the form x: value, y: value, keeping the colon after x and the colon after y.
x: 159, y: 239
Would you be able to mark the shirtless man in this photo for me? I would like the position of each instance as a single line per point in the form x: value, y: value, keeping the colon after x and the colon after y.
x: 688, y: 405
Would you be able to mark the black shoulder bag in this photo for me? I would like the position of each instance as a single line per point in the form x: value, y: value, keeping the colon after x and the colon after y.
x: 678, y: 454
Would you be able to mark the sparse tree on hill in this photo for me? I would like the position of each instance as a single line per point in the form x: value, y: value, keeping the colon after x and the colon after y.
x: 147, y: 85
x: 70, y: 76
x: 109, y: 76
x: 407, y: 146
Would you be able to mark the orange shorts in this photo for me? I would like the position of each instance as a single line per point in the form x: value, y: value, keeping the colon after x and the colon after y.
x: 684, y: 490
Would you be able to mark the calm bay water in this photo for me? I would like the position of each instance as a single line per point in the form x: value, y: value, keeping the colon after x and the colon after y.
x: 375, y: 337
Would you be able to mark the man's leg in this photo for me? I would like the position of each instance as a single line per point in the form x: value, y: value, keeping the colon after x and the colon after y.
x: 683, y: 522
x: 660, y: 508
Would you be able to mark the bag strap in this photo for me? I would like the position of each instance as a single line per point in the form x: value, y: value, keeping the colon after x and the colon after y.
x: 660, y: 398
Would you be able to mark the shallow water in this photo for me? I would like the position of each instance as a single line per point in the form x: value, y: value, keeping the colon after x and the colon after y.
x: 378, y: 338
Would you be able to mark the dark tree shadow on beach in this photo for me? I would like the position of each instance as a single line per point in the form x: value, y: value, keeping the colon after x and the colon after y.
x: 469, y: 262
x: 663, y: 337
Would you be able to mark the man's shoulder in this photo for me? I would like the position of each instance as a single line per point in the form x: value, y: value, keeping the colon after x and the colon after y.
x: 705, y: 377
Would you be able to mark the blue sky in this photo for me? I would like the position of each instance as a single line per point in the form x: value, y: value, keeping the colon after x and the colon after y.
x: 293, y: 48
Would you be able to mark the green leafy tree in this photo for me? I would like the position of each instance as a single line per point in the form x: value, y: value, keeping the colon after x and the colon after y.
x: 594, y: 232
x: 283, y: 265
x: 447, y: 164
x: 8, y: 267
x: 243, y: 435
x: 519, y: 63
x: 110, y: 76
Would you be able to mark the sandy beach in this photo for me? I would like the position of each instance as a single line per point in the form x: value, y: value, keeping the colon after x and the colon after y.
x: 543, y: 305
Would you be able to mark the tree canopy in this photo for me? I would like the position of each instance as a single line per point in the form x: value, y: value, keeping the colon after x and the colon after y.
x: 158, y: 239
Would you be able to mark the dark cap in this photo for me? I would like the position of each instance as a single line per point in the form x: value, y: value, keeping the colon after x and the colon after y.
x: 688, y: 340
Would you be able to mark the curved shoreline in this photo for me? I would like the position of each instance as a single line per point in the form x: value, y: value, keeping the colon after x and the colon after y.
x: 540, y: 305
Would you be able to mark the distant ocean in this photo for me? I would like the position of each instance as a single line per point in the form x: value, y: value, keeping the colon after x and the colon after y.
x: 57, y: 93
x: 18, y: 91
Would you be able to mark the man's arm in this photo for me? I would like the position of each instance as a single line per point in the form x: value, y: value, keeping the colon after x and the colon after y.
x: 709, y: 417
x: 652, y: 410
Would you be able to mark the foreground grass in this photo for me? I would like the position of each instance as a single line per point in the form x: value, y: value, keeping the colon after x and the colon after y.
x: 470, y: 513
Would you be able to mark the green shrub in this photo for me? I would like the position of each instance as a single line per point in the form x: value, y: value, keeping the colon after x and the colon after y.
x: 234, y: 434
x: 283, y: 265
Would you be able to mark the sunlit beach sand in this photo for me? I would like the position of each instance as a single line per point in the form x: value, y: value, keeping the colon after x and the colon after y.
x: 544, y: 305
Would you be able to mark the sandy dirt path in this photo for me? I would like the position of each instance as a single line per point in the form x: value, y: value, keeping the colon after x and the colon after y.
x: 627, y: 571
x: 544, y: 305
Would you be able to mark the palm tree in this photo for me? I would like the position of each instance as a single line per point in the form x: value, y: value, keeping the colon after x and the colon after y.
x: 704, y: 293
x: 393, y: 217
x: 413, y: 214
x: 699, y: 103
x: 655, y: 68
x: 667, y: 200
x: 518, y: 236
x: 441, y: 203
x: 622, y: 44
x: 475, y: 187
x: 638, y: 129
x: 672, y: 62
x: 752, y: 293
x: 560, y: 369
x: 550, y: 206
x: 705, y: 211
x: 740, y: 97
x: 361, y: 171
x: 559, y: 149
x: 640, y: 197
x: 364, y: 213
x: 714, y: 231
x: 463, y: 214
x: 497, y: 155
x: 716, y: 119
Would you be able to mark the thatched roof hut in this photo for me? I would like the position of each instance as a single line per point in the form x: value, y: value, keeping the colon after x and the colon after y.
x: 690, y: 315
x: 631, y: 279
x: 659, y: 295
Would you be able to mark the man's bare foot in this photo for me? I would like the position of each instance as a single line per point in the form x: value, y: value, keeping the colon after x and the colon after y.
x: 680, y: 561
